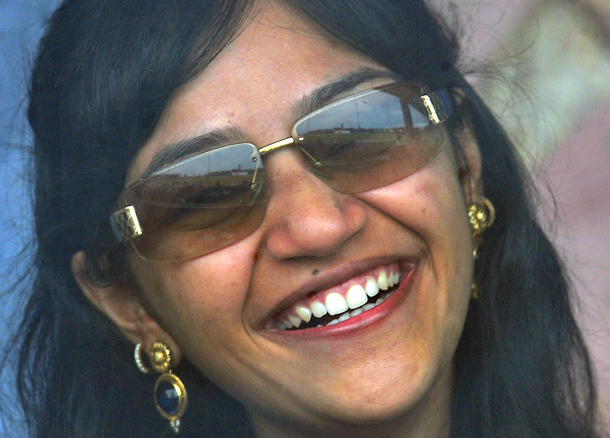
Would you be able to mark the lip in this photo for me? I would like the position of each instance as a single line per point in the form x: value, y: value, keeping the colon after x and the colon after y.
x: 343, y: 273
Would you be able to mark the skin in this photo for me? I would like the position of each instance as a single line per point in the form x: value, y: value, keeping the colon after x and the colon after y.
x: 390, y: 377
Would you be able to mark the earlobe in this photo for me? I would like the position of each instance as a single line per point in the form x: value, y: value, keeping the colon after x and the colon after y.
x: 115, y: 301
x: 119, y: 302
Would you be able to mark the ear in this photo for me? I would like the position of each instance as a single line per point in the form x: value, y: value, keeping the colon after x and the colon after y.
x: 470, y: 164
x: 120, y: 303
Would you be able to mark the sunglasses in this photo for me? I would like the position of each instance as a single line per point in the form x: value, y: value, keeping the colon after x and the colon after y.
x: 210, y: 200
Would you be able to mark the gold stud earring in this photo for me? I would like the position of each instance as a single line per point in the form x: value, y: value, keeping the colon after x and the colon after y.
x: 481, y: 216
x: 169, y: 393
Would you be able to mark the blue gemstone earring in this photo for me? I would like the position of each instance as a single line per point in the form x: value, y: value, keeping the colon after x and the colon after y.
x: 169, y: 393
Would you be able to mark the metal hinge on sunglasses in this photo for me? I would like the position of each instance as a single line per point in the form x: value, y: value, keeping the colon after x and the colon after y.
x: 438, y: 105
x: 125, y: 224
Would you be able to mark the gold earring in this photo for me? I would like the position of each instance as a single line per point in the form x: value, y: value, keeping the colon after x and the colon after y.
x: 474, y: 290
x: 481, y: 216
x: 169, y: 393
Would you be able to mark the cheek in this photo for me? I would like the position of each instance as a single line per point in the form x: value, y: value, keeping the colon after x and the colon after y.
x: 200, y: 299
x: 431, y: 204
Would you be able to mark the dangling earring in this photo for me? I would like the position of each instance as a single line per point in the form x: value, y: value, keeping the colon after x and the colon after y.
x: 170, y: 393
x: 481, y: 216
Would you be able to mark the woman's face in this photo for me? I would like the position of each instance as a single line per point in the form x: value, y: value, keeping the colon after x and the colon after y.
x: 388, y: 365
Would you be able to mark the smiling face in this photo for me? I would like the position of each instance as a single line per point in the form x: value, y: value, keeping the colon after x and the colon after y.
x: 405, y: 247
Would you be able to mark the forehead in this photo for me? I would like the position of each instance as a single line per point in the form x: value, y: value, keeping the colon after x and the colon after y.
x: 277, y: 58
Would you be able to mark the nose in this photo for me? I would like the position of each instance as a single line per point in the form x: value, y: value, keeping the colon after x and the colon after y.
x: 304, y: 216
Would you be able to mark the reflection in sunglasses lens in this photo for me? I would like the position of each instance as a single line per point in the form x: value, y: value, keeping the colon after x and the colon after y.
x: 383, y: 135
x: 210, y: 193
x: 208, y: 201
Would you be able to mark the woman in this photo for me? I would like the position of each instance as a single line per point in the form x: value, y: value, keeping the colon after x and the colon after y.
x: 298, y: 194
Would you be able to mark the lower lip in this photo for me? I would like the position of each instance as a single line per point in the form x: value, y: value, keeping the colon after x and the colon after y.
x: 360, y: 322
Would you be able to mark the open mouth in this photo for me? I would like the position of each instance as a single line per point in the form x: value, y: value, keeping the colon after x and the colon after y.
x: 342, y: 302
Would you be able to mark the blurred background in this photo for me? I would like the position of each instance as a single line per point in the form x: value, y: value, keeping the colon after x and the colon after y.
x: 542, y: 65
x: 548, y: 81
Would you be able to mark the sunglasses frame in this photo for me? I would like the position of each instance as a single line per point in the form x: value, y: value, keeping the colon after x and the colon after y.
x: 126, y: 226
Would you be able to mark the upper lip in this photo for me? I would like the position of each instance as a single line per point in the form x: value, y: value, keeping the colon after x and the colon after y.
x: 331, y: 277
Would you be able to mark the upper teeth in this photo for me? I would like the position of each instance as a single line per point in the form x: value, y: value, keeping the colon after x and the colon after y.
x: 337, y: 303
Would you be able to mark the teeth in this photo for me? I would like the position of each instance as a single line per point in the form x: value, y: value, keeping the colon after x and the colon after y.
x: 335, y: 303
x: 390, y: 280
x: 356, y: 296
x: 318, y: 309
x: 382, y: 280
x: 304, y: 313
x: 371, y: 287
x: 295, y: 321
x: 356, y: 312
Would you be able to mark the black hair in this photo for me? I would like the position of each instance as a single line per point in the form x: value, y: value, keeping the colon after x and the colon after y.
x: 104, y: 74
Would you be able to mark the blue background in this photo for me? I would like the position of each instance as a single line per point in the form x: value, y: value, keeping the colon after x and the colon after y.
x: 21, y: 23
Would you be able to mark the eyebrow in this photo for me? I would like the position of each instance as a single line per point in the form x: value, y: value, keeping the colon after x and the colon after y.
x: 173, y: 152
x: 329, y: 92
x: 210, y: 140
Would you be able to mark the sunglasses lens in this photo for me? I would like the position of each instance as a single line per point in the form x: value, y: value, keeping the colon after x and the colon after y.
x: 211, y: 200
x: 200, y: 204
x: 370, y: 140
